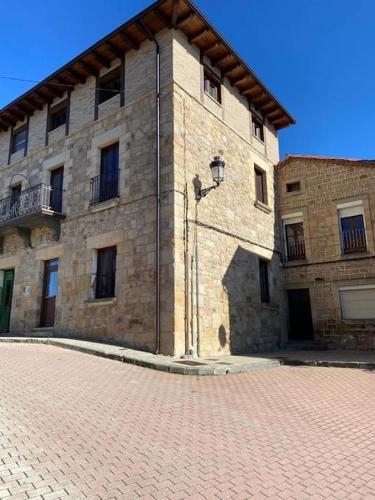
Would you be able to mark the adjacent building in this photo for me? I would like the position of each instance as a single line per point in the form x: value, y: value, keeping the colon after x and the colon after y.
x: 327, y: 213
x: 104, y: 232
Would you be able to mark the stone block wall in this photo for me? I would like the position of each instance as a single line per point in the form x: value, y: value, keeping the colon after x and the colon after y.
x: 325, y: 184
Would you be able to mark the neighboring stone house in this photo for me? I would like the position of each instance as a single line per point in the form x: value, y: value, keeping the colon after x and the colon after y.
x: 95, y: 243
x: 327, y: 216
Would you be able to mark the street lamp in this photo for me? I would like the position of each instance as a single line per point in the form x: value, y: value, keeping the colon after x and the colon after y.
x: 217, y: 167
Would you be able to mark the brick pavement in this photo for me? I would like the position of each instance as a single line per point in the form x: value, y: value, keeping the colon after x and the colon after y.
x: 73, y: 425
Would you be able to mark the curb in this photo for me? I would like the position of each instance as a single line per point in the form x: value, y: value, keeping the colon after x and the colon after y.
x: 145, y: 359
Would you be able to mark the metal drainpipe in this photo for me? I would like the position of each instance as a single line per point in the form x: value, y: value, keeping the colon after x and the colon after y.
x: 158, y: 197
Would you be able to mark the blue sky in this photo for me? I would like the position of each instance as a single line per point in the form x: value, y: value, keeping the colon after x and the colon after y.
x: 316, y: 56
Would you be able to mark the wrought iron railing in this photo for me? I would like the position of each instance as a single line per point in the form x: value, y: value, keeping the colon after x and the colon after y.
x: 296, y: 248
x: 354, y: 240
x: 27, y: 202
x: 102, y: 189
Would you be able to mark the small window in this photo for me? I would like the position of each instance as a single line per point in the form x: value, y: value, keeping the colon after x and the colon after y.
x: 293, y: 187
x: 257, y: 127
x: 57, y: 116
x: 109, y: 85
x: 106, y: 273
x: 264, y: 281
x: 18, y: 141
x: 260, y: 185
x: 212, y: 85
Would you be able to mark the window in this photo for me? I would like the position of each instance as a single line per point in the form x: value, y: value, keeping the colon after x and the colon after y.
x: 106, y: 273
x: 257, y: 127
x: 293, y: 187
x: 15, y: 200
x: 109, y: 85
x: 260, y: 185
x: 57, y: 116
x: 18, y: 141
x: 263, y: 281
x: 295, y: 242
x: 352, y: 229
x: 212, y: 85
x: 358, y: 303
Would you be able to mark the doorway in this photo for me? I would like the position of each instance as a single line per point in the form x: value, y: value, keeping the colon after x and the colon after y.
x: 300, y: 319
x: 6, y: 300
x: 57, y: 179
x: 50, y: 288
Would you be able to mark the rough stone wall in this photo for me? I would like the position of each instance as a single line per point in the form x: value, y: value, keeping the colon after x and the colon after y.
x: 128, y: 223
x: 232, y: 232
x: 324, y: 185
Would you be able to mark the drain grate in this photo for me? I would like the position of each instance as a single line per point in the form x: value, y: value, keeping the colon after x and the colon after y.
x: 191, y: 363
x: 223, y: 363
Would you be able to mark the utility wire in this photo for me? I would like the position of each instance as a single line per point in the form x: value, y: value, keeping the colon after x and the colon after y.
x: 65, y: 85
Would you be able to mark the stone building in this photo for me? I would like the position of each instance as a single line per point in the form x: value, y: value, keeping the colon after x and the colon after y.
x: 327, y: 214
x: 104, y: 233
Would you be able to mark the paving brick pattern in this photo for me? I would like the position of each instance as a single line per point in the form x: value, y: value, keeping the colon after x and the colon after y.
x: 78, y: 426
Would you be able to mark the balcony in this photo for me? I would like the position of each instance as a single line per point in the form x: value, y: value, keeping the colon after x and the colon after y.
x: 296, y: 248
x: 103, y: 189
x: 27, y: 208
x: 354, y: 241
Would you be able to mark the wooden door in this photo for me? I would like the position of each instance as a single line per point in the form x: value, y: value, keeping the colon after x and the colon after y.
x: 300, y: 319
x: 50, y: 288
x: 57, y: 178
x: 6, y: 300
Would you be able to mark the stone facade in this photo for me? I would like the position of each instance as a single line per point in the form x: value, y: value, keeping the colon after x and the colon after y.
x: 228, y: 228
x: 328, y: 186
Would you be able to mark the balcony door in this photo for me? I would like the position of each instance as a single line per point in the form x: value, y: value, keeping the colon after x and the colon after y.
x: 15, y: 200
x: 50, y: 288
x: 57, y: 179
x: 6, y: 300
x: 109, y: 172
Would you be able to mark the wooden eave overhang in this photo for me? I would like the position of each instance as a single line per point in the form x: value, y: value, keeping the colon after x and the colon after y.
x: 177, y: 14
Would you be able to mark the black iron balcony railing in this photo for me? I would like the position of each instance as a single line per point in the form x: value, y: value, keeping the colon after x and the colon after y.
x: 296, y: 248
x: 102, y: 189
x: 28, y: 202
x: 354, y: 240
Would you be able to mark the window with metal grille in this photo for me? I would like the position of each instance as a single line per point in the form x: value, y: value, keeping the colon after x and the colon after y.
x: 212, y: 85
x: 109, y: 85
x: 106, y: 273
x: 260, y: 185
x: 264, y: 281
x: 295, y: 241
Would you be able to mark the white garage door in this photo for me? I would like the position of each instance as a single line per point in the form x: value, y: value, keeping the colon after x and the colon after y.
x: 358, y: 302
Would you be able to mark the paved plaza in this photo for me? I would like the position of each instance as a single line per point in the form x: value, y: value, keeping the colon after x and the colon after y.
x: 81, y: 426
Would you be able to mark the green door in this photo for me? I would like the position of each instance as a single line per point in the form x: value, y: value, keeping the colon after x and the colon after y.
x: 6, y: 300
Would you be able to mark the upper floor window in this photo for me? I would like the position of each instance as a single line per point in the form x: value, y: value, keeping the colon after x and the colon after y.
x: 212, y: 85
x: 293, y: 187
x: 257, y: 127
x: 18, y: 140
x: 295, y: 240
x: 109, y: 85
x: 264, y: 281
x: 57, y: 116
x: 260, y: 185
x: 352, y: 229
x: 106, y: 273
x: 106, y: 185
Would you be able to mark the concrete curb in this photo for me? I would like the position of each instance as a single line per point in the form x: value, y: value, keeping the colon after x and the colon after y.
x: 144, y: 359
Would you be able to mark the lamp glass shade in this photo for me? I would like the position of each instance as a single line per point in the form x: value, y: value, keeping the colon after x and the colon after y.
x: 217, y: 169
